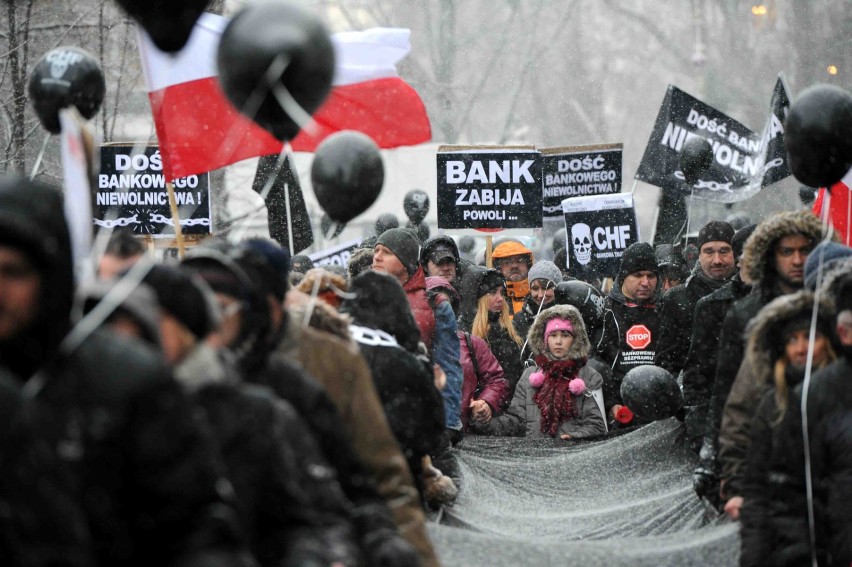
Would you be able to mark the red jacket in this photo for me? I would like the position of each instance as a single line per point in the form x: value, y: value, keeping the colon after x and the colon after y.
x: 415, y: 290
x: 493, y: 386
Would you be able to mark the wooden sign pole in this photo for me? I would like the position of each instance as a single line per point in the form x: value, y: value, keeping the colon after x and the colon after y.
x: 176, y: 219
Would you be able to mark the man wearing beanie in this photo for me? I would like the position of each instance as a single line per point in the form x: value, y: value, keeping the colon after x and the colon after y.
x: 514, y: 261
x: 631, y: 321
x: 714, y: 268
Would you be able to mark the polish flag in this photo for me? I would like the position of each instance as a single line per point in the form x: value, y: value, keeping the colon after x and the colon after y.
x: 839, y: 208
x: 200, y: 130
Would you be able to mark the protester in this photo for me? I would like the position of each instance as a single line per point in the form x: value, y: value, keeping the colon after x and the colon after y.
x: 95, y: 407
x: 715, y: 266
x: 631, y: 321
x: 556, y: 397
x: 301, y: 263
x: 773, y: 264
x: 826, y: 257
x: 829, y: 412
x: 484, y: 313
x: 671, y: 265
x: 387, y: 335
x: 361, y: 260
x: 256, y: 433
x: 122, y: 251
x: 439, y: 256
x: 778, y: 343
x: 133, y: 317
x: 514, y: 261
x: 324, y: 285
x: 543, y: 278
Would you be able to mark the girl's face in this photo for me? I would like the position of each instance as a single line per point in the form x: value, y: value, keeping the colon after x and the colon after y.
x: 558, y: 343
x: 542, y: 290
x: 495, y: 300
x: 796, y: 349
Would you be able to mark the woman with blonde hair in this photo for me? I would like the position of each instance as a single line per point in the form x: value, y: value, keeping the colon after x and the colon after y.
x: 484, y: 313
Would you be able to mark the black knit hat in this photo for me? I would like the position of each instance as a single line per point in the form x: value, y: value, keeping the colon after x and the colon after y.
x: 715, y: 231
x: 491, y: 280
x: 405, y: 246
x: 740, y: 238
x: 638, y: 257
x: 185, y: 297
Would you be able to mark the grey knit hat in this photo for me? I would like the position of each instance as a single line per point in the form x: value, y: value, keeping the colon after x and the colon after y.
x: 405, y: 246
x: 545, y: 270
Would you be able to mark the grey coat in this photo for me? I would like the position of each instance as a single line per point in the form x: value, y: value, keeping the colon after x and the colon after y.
x: 523, y: 418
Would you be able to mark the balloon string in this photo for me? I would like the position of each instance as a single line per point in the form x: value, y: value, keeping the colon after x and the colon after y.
x: 40, y: 156
x: 299, y: 115
x: 809, y: 488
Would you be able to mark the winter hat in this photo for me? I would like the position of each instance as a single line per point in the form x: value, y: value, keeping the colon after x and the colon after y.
x: 140, y: 305
x: 558, y: 324
x: 278, y: 259
x: 185, y: 297
x: 715, y: 231
x: 491, y: 280
x: 439, y: 249
x: 512, y: 248
x: 739, y: 240
x: 545, y: 270
x: 832, y: 253
x: 301, y: 263
x: 404, y: 245
x: 638, y: 257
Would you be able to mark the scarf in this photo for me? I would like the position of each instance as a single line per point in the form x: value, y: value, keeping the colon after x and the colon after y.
x: 554, y: 398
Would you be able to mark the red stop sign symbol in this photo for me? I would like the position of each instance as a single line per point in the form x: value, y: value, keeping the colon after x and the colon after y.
x: 638, y: 337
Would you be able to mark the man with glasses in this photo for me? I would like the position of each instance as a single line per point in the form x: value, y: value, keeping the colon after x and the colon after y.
x: 514, y: 260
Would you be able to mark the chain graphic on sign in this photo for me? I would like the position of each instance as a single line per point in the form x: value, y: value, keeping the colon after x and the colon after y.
x: 777, y: 162
x: 553, y: 209
x: 118, y: 222
x: 714, y: 186
x: 160, y: 219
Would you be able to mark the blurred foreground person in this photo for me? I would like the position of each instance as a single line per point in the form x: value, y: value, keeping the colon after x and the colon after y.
x: 131, y: 472
x: 776, y: 353
x: 122, y: 251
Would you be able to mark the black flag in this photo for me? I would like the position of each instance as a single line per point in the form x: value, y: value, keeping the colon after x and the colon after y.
x: 286, y: 184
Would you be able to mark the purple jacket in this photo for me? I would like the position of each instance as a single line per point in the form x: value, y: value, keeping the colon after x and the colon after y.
x: 493, y: 386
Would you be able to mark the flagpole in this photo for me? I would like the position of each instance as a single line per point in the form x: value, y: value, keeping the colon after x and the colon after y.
x: 289, y: 151
x: 176, y: 219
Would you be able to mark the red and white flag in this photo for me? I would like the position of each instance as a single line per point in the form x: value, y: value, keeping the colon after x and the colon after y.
x: 839, y: 209
x: 200, y: 130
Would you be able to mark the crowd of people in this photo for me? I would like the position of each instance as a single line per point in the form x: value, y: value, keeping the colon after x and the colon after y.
x: 243, y: 407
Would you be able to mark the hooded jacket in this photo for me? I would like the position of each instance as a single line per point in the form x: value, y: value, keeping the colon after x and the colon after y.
x: 755, y: 378
x: 415, y: 290
x: 483, y: 379
x: 448, y: 242
x: 144, y: 477
x: 523, y: 417
x: 516, y: 292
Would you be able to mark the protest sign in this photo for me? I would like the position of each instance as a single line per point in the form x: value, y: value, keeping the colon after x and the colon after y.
x: 338, y: 255
x: 131, y: 191
x: 599, y: 229
x: 489, y: 188
x: 744, y: 162
x: 579, y: 171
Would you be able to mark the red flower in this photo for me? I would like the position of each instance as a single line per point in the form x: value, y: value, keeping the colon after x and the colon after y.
x: 624, y: 415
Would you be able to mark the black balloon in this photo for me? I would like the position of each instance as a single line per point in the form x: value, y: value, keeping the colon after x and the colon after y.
x: 466, y: 244
x: 807, y: 194
x: 816, y: 134
x: 588, y: 301
x: 347, y: 174
x: 423, y: 231
x: 259, y: 38
x: 651, y: 392
x: 168, y: 22
x: 696, y: 157
x: 386, y: 221
x: 64, y: 77
x: 416, y: 205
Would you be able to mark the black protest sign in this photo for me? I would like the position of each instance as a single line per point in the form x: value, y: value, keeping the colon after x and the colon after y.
x: 132, y: 192
x: 489, y: 188
x: 744, y: 162
x: 337, y: 255
x: 599, y: 229
x: 579, y: 172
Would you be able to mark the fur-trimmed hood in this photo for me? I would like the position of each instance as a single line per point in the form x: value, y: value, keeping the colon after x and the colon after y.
x: 323, y: 317
x: 754, y: 265
x: 581, y: 346
x: 763, y: 332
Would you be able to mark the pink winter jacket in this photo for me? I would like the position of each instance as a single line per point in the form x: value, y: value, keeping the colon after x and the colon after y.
x: 492, y: 385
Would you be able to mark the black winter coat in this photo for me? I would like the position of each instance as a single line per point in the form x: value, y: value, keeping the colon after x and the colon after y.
x: 524, y: 318
x: 830, y: 428
x: 133, y: 472
x: 774, y: 514
x: 677, y: 309
x: 621, y: 315
x: 507, y: 352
